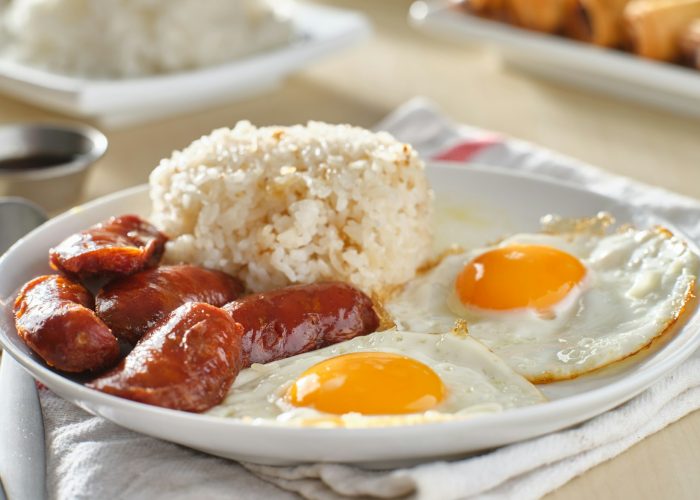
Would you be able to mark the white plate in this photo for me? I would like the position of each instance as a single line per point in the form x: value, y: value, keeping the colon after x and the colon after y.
x: 320, y: 31
x: 489, y: 203
x: 659, y: 84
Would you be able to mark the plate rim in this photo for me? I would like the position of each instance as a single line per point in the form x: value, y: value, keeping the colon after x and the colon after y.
x: 612, y: 395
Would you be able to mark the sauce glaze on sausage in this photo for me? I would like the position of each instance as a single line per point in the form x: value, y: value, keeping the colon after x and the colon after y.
x: 116, y: 247
x: 54, y: 318
x: 188, y: 362
x: 296, y: 319
x: 134, y: 304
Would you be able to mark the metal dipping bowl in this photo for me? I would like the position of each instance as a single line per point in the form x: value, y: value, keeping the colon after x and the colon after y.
x: 47, y: 163
x: 17, y: 217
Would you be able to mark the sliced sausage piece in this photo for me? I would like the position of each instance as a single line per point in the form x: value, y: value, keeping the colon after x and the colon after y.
x: 54, y: 318
x: 132, y: 305
x: 188, y: 362
x: 296, y: 319
x: 116, y: 247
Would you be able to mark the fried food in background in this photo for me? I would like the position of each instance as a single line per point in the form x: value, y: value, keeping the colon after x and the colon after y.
x: 541, y: 15
x: 599, y: 22
x: 656, y: 27
x: 690, y: 44
x: 494, y: 9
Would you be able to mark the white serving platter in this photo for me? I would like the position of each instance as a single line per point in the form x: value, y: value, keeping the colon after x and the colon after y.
x: 320, y: 31
x: 474, y: 204
x: 623, y: 75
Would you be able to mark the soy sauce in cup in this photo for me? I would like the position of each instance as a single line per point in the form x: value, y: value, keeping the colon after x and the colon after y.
x: 35, y: 161
x: 48, y: 163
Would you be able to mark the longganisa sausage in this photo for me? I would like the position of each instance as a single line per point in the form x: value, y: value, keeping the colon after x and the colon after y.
x: 132, y: 305
x: 188, y: 362
x: 118, y: 246
x: 54, y: 317
x: 288, y: 321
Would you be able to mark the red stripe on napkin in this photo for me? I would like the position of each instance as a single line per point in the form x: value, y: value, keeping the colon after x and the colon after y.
x: 466, y: 150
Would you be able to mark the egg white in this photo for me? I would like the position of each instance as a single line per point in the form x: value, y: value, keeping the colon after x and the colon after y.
x: 637, y: 284
x: 477, y: 381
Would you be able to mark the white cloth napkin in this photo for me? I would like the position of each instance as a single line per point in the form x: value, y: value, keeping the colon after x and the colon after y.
x: 89, y: 457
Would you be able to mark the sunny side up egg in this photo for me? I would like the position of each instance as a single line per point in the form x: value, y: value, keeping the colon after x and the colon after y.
x: 385, y: 378
x: 557, y: 305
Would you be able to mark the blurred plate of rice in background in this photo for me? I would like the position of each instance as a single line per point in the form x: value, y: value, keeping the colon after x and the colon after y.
x: 141, y: 60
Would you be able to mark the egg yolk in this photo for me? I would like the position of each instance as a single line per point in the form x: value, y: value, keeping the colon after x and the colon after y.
x: 370, y: 383
x: 519, y: 276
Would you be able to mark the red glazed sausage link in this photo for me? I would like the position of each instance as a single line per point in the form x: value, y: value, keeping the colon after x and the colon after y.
x: 188, y: 362
x: 132, y: 305
x: 116, y: 247
x: 53, y: 317
x: 302, y: 318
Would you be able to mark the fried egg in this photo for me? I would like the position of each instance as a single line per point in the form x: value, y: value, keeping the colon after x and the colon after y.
x: 561, y: 303
x: 385, y: 378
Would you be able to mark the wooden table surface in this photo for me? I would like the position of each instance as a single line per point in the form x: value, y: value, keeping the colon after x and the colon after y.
x: 363, y: 84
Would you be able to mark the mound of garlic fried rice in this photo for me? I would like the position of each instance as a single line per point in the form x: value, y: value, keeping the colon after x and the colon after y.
x: 283, y: 205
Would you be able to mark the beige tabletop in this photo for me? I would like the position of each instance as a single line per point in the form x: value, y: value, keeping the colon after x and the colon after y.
x: 363, y: 84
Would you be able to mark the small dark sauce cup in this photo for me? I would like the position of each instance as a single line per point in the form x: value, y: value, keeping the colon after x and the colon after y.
x: 48, y: 163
